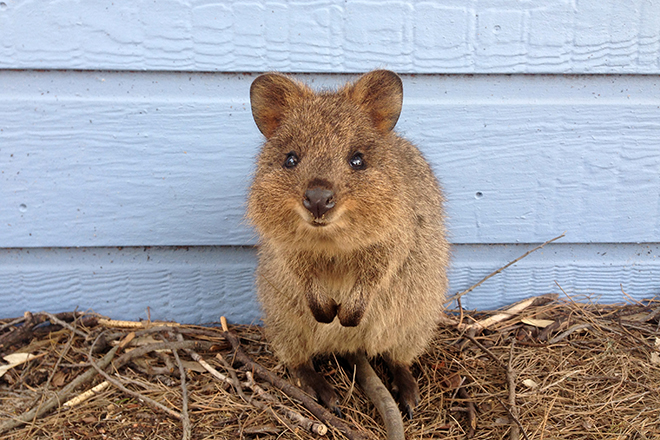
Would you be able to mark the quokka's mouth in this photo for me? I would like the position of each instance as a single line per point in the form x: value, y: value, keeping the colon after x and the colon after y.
x: 319, y: 222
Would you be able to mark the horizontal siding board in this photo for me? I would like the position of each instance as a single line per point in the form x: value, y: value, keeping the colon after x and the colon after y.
x: 188, y: 284
x: 199, y: 284
x: 491, y: 36
x: 145, y: 159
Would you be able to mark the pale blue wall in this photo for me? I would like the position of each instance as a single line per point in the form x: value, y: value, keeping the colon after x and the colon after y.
x: 125, y: 134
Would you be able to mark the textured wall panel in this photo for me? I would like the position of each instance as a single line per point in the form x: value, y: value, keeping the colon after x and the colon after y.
x: 198, y: 284
x: 130, y: 159
x: 193, y: 285
x: 458, y: 36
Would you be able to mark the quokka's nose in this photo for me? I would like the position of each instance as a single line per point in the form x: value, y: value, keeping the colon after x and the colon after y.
x: 318, y: 201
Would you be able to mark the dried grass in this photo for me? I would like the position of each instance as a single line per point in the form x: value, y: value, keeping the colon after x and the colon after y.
x: 598, y: 379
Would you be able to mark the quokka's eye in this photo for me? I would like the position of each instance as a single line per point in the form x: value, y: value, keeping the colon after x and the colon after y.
x: 357, y: 162
x: 291, y: 160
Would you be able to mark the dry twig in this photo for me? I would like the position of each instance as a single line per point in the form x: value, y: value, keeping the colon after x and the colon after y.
x: 55, y: 320
x: 149, y: 401
x: 510, y: 312
x: 136, y: 324
x: 292, y: 391
x: 185, y: 418
x: 471, y: 411
x: 514, y: 434
x: 83, y: 397
x: 466, y: 291
x: 307, y: 423
x: 239, y: 390
x: 601, y: 385
x: 59, y: 397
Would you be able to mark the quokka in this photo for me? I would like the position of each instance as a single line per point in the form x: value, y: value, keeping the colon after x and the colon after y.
x: 352, y: 254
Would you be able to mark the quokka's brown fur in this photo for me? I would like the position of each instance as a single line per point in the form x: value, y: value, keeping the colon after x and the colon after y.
x: 366, y: 270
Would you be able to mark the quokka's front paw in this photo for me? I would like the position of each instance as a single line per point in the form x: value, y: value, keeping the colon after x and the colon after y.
x: 350, y: 315
x: 323, y: 309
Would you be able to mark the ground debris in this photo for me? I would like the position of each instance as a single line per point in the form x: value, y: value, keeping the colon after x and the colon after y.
x: 554, y: 369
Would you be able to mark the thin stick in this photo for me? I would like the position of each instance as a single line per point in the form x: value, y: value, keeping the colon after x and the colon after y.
x: 307, y: 423
x: 185, y: 418
x: 349, y: 393
x: 511, y: 380
x: 20, y: 333
x: 460, y: 309
x: 514, y: 434
x: 80, y: 398
x: 144, y: 349
x: 630, y: 297
x: 310, y: 425
x: 24, y: 332
x: 215, y: 373
x: 546, y: 414
x: 508, y: 313
x: 121, y: 387
x: 515, y: 419
x: 59, y: 397
x: 64, y: 352
x: 471, y: 411
x: 458, y: 295
x: 239, y: 390
x: 571, y: 330
x: 486, y: 350
x: 54, y: 319
x: 292, y: 391
x: 135, y: 324
x: 12, y: 323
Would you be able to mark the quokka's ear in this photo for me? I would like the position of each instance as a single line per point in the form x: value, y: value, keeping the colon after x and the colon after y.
x: 380, y: 94
x: 271, y: 95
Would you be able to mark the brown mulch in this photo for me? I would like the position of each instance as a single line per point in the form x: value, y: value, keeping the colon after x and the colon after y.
x: 579, y: 370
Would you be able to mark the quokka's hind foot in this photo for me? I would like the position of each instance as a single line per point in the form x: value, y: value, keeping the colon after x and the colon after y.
x: 315, y: 385
x: 404, y: 387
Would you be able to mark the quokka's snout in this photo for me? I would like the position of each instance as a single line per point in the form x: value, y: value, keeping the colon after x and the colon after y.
x: 319, y: 200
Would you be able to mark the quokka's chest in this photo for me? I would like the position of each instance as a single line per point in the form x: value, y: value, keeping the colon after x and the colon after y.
x: 336, y: 279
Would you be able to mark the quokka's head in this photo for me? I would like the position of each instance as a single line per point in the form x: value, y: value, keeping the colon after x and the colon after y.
x: 328, y: 175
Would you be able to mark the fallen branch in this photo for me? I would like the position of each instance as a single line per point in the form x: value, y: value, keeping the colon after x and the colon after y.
x: 514, y: 434
x: 121, y: 387
x: 292, y: 391
x: 568, y: 332
x: 239, y: 390
x: 83, y: 397
x: 60, y: 396
x: 135, y: 324
x: 55, y: 320
x: 25, y: 331
x: 185, y: 418
x: 307, y: 423
x: 510, y: 312
x: 471, y: 411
